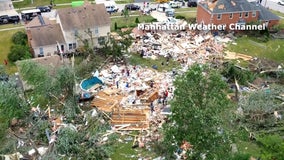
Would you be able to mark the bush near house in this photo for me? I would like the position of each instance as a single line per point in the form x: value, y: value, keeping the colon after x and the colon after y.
x: 20, y: 49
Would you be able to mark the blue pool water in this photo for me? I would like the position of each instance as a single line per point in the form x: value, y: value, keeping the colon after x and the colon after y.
x: 88, y: 83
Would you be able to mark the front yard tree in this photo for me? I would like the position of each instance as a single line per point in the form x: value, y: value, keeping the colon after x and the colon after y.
x: 196, y: 114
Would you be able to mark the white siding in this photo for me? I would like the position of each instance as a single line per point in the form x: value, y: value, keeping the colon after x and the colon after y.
x: 47, y: 50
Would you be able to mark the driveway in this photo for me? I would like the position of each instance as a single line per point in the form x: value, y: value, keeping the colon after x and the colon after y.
x: 161, y: 17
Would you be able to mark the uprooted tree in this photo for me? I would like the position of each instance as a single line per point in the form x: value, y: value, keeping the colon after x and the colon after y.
x: 200, y: 99
x: 262, y: 110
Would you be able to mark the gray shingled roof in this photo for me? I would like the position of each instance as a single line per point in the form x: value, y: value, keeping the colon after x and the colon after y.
x: 265, y: 14
x: 87, y: 16
x: 46, y: 35
x: 223, y: 6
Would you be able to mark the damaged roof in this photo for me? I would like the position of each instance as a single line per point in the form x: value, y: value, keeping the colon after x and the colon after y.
x: 222, y: 6
x: 87, y: 16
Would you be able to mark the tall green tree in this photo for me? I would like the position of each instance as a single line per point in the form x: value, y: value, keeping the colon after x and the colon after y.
x: 199, y: 100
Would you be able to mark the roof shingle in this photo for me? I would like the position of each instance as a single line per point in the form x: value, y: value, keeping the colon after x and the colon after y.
x: 87, y: 16
x: 46, y: 35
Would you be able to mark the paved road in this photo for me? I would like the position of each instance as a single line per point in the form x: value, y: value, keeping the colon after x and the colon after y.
x: 272, y: 4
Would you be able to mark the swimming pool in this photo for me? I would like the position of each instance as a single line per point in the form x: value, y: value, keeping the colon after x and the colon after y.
x: 86, y: 84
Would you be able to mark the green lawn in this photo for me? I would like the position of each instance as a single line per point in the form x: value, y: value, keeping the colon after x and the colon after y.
x: 27, y: 3
x: 135, y: 59
x: 4, y: 26
x: 6, y: 43
x: 123, y: 22
x: 185, y: 9
x: 273, y: 49
x: 123, y: 1
x: 248, y: 148
x: 277, y: 13
x: 124, y: 151
x: 130, y: 13
x: 186, y: 15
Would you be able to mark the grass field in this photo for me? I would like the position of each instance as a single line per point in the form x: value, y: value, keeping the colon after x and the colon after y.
x: 123, y: 22
x: 185, y: 9
x: 4, y: 26
x: 6, y: 43
x: 186, y: 15
x: 124, y: 151
x: 250, y: 46
x: 27, y: 3
x: 130, y: 13
x: 124, y: 1
x: 135, y: 59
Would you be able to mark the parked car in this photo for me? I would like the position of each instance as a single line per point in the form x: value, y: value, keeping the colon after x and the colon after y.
x: 174, y: 4
x: 111, y: 9
x: 281, y: 2
x: 44, y: 8
x: 4, y: 19
x: 132, y: 7
x: 14, y: 19
x: 192, y: 3
x: 170, y: 12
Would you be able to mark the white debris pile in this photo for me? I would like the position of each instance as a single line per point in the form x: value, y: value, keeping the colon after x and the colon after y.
x: 183, y: 46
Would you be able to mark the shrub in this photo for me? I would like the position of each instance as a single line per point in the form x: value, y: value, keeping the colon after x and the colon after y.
x: 19, y: 52
x: 20, y: 38
x: 154, y: 20
x: 115, y: 26
x: 137, y: 20
x: 180, y: 17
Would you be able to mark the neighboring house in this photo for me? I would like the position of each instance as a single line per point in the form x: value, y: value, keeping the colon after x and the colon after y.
x: 71, y: 28
x: 44, y: 36
x: 88, y: 23
x: 234, y: 11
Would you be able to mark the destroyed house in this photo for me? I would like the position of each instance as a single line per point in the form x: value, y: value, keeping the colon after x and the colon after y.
x: 226, y: 12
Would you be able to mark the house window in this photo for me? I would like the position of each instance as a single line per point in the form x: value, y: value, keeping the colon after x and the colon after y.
x: 246, y: 14
x: 96, y: 30
x: 74, y: 45
x: 219, y: 16
x: 76, y: 32
x: 253, y: 13
x: 41, y: 54
x: 231, y: 15
x: 101, y: 40
x: 241, y: 15
x: 70, y: 46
